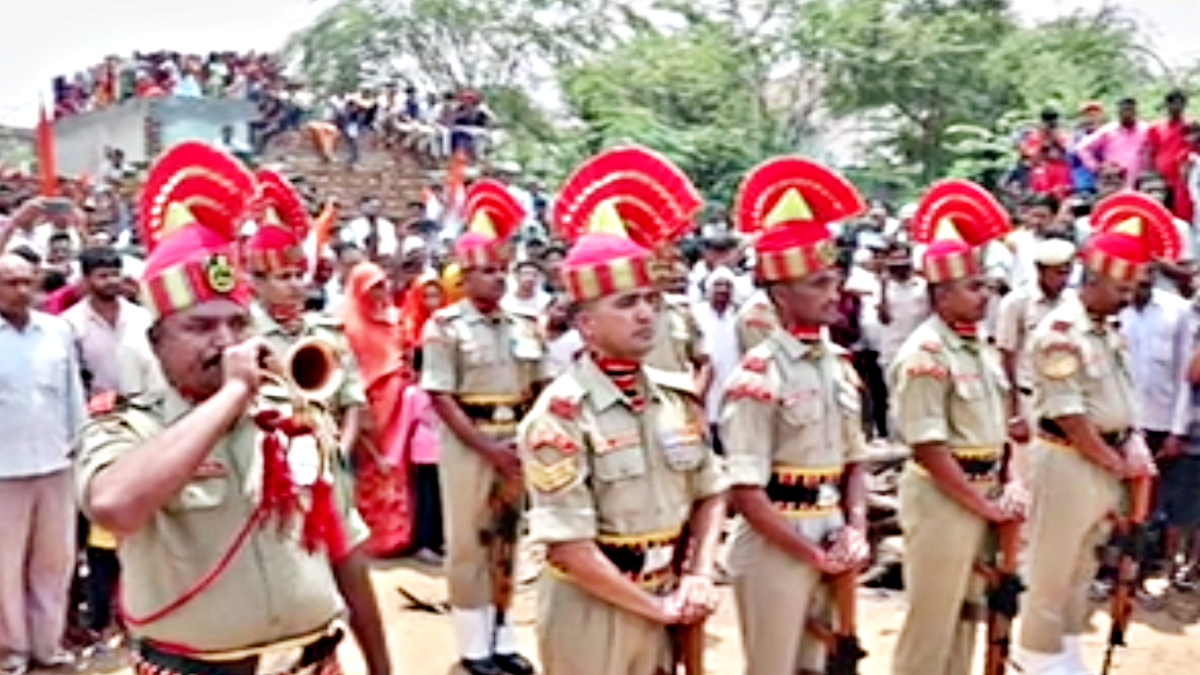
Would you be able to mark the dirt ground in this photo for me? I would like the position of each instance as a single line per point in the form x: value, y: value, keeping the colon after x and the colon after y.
x: 422, y: 642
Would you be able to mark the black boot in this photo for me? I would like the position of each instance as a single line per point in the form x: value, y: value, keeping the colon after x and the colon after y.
x: 485, y: 666
x: 513, y: 664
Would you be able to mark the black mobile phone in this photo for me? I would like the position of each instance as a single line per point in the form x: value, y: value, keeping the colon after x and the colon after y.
x: 57, y: 206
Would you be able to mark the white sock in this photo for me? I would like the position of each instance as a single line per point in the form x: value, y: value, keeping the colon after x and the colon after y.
x: 473, y: 628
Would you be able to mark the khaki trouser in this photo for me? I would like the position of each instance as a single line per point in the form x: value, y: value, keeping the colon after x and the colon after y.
x: 37, y: 556
x: 942, y: 543
x: 580, y: 634
x: 466, y: 481
x: 776, y: 597
x: 1072, y: 501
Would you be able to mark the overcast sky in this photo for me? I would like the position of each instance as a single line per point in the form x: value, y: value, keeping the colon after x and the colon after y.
x: 43, y: 38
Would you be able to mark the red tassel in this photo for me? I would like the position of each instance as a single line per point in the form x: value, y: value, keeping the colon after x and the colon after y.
x: 278, y: 491
x: 323, y: 524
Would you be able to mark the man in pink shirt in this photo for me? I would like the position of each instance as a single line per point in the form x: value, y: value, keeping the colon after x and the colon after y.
x: 1121, y: 143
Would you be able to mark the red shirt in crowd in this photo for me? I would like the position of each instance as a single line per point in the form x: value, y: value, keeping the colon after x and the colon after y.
x: 1167, y: 150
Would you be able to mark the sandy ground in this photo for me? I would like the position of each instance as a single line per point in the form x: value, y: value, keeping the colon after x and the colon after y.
x: 422, y: 643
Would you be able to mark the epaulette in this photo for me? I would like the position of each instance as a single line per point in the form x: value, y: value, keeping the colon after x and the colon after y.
x: 931, y: 346
x: 676, y: 381
x: 933, y: 370
x: 327, y: 321
x: 447, y: 313
x: 1061, y: 326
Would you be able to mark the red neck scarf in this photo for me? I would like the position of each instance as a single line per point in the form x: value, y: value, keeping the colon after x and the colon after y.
x: 289, y: 316
x: 624, y: 373
x: 806, y: 333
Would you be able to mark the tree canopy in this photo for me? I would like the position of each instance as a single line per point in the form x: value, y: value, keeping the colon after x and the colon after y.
x: 897, y: 91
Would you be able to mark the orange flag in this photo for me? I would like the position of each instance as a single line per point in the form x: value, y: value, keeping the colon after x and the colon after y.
x: 456, y: 178
x: 47, y: 174
x: 323, y: 226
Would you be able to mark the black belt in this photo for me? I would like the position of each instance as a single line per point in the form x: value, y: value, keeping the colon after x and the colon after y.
x: 314, y: 653
x: 976, y: 468
x: 1116, y: 439
x: 487, y: 412
x: 798, y: 494
x: 631, y: 558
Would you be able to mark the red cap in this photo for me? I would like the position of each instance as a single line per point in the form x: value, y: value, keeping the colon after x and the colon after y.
x: 954, y: 218
x: 789, y: 202
x: 616, y: 208
x: 278, y: 242
x: 193, y: 202
x: 492, y: 215
x: 1130, y: 230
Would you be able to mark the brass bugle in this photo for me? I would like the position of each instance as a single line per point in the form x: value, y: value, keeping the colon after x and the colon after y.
x: 310, y: 369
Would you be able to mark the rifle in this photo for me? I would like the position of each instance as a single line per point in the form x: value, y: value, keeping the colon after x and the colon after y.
x: 1129, y: 538
x: 846, y: 651
x: 1004, y: 587
x: 500, y: 539
x: 687, y: 641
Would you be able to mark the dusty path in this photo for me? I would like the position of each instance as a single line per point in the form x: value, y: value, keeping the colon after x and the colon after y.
x: 422, y: 643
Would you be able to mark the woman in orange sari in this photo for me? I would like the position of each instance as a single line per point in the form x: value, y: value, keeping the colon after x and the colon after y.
x: 383, y: 487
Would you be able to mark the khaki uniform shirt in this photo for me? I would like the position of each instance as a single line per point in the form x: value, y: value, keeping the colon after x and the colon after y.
x: 1020, y: 313
x: 598, y: 470
x: 949, y: 389
x: 351, y: 393
x: 755, y: 321
x: 791, y: 404
x: 271, y: 591
x: 679, y: 344
x: 1080, y: 369
x: 471, y: 355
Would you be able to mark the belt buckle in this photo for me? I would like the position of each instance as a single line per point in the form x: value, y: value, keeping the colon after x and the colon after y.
x: 279, y: 661
x: 503, y: 413
x: 828, y: 496
x: 657, y: 558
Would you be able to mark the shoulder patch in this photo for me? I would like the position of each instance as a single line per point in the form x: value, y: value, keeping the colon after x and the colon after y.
x: 552, y: 476
x: 932, y: 346
x: 1061, y: 326
x: 681, y: 382
x: 754, y: 363
x: 933, y: 370
x: 546, y: 437
x: 565, y: 406
x: 103, y: 403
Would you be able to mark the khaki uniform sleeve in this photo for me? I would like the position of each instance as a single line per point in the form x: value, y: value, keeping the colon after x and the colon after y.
x: 101, y: 442
x: 919, y: 392
x: 753, y: 327
x: 747, y: 423
x: 850, y: 407
x: 439, y: 353
x: 352, y: 393
x: 697, y: 347
x: 1058, y: 367
x: 1009, y: 327
x: 554, y: 459
x: 710, y: 477
x: 357, y: 531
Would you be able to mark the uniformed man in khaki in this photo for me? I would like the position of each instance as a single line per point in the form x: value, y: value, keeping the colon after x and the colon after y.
x: 618, y: 465
x: 950, y: 398
x: 755, y: 321
x: 481, y: 367
x: 790, y: 426
x: 229, y: 550
x: 1022, y: 309
x: 1085, y: 447
x: 277, y: 263
x: 679, y: 346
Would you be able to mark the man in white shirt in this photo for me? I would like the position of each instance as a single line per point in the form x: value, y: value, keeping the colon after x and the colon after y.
x: 526, y: 297
x: 717, y: 318
x: 108, y: 329
x: 1024, y: 308
x: 370, y: 232
x: 903, y: 302
x: 1158, y: 329
x: 42, y: 408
